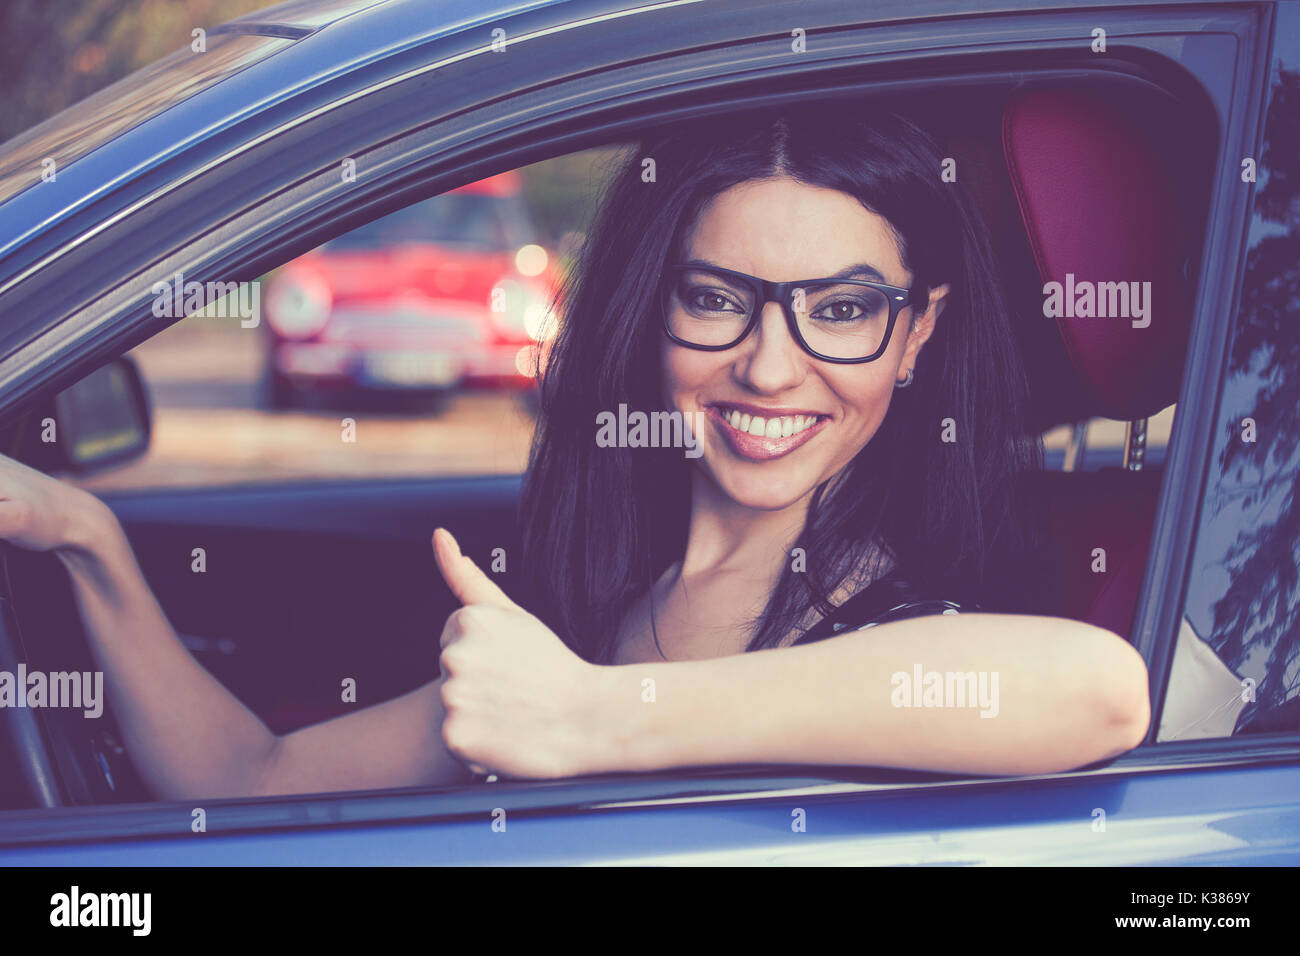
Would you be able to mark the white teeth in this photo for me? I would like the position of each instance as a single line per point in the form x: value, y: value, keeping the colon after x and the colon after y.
x: 782, y: 426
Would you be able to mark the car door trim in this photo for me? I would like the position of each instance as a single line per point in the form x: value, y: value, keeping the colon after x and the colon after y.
x: 71, y: 825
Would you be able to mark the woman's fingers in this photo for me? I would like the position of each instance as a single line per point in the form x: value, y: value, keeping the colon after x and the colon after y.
x: 466, y: 580
x: 41, y: 513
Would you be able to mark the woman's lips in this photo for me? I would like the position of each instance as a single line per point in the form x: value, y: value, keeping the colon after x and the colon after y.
x: 760, y: 447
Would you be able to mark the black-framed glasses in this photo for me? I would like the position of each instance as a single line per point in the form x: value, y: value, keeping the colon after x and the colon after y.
x: 847, y: 321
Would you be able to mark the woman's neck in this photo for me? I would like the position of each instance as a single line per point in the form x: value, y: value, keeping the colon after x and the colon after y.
x: 726, y: 536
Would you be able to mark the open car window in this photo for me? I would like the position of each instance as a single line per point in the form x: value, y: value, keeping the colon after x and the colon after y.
x: 421, y: 327
x: 405, y: 349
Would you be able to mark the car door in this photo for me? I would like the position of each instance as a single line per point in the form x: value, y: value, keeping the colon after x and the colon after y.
x: 601, y: 70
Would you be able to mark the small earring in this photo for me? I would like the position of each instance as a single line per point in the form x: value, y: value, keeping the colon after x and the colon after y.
x: 905, y: 382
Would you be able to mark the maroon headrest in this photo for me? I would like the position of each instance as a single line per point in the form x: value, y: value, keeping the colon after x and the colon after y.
x: 1099, y: 209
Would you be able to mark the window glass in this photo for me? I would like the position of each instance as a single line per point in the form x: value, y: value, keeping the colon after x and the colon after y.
x: 420, y: 327
x: 1236, y: 667
x: 476, y: 221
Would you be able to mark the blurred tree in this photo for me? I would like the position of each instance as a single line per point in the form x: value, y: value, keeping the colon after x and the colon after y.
x: 56, y: 52
x: 563, y: 192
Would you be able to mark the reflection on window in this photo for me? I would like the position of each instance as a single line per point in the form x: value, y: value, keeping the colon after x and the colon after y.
x: 1244, y: 597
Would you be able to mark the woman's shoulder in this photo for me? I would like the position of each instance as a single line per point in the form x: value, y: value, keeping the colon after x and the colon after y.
x: 891, y: 598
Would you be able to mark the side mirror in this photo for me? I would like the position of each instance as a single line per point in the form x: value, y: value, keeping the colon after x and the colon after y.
x: 102, y: 420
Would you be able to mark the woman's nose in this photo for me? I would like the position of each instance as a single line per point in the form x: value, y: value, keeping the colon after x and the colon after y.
x: 773, y: 361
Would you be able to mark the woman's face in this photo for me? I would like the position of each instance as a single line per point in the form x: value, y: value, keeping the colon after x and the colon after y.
x: 783, y: 230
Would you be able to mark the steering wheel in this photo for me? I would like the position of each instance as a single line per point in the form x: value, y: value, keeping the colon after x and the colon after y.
x: 63, y: 756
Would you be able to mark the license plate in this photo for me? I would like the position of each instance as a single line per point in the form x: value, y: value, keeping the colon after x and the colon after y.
x: 410, y: 369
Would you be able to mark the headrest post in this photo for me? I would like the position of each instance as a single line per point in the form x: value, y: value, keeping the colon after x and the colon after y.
x: 1074, y: 448
x: 1135, y: 444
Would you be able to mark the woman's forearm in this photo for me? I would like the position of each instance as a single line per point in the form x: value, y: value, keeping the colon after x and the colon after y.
x: 997, y: 694
x: 186, y: 733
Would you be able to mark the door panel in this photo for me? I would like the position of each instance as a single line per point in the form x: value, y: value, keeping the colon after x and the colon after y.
x: 307, y: 584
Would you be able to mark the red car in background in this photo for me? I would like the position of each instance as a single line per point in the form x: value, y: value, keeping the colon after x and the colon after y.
x: 450, y: 292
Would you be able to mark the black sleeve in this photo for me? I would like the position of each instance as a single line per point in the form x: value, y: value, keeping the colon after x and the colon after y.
x: 890, y: 599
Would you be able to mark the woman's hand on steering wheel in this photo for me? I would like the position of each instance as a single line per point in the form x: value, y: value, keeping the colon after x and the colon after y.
x: 40, y: 513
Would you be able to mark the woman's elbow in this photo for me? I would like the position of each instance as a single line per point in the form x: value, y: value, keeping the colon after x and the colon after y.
x: 1110, y: 707
x: 1124, y: 698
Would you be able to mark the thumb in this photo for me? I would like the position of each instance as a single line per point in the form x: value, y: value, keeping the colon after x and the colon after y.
x: 466, y: 580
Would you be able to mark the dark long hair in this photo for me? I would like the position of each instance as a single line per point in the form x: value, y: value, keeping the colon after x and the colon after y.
x: 600, y: 525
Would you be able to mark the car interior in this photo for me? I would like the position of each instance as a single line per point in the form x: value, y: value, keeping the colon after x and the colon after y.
x: 306, y: 581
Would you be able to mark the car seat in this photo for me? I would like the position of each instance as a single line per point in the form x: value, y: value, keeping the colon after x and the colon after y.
x: 1095, y: 200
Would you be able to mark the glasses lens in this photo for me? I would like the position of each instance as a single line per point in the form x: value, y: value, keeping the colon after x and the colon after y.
x: 706, y: 308
x: 841, y: 320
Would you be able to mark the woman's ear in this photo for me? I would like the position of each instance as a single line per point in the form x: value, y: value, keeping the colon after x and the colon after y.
x: 923, y: 326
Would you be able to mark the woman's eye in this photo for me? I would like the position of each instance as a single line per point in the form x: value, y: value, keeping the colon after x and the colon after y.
x: 714, y: 302
x: 842, y: 310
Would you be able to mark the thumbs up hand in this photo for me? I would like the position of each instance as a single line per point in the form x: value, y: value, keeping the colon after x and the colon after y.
x: 516, y: 700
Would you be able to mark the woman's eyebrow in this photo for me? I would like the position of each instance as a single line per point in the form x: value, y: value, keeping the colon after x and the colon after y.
x: 858, y: 270
x: 705, y: 264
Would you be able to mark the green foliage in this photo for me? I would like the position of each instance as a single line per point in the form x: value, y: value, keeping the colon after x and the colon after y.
x: 54, y: 53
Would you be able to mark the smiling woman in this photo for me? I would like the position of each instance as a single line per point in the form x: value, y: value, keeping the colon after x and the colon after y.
x: 826, y: 383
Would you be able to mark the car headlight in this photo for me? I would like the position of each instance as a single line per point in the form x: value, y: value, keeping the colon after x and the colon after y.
x: 518, y: 310
x: 531, y: 260
x: 537, y: 320
x: 298, y: 306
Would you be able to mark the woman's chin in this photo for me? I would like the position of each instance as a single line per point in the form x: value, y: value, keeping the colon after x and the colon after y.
x: 764, y: 495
